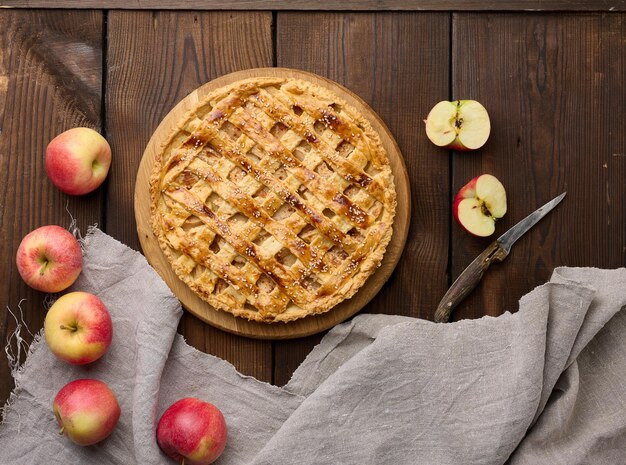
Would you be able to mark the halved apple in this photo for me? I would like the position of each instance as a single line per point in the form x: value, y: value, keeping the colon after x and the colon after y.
x: 479, y: 204
x: 458, y: 125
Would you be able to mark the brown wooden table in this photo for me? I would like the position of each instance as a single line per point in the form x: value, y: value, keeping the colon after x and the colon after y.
x: 553, y: 81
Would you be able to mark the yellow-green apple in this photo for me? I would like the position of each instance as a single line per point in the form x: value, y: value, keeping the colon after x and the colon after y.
x: 78, y: 160
x: 86, y: 410
x: 458, y: 125
x: 78, y: 328
x: 479, y: 204
x: 49, y: 259
x: 192, y: 431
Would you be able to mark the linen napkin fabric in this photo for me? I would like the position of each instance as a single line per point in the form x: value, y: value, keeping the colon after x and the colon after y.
x: 546, y: 385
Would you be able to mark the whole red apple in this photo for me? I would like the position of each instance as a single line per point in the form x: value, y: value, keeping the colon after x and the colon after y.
x: 86, y: 410
x: 49, y: 259
x: 78, y: 328
x: 192, y: 431
x: 479, y: 204
x: 78, y: 160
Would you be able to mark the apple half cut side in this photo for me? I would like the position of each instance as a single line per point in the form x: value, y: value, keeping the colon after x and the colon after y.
x: 458, y: 125
x: 479, y: 204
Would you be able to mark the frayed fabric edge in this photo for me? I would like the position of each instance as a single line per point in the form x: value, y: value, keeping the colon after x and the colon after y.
x: 75, y: 230
x: 14, y: 347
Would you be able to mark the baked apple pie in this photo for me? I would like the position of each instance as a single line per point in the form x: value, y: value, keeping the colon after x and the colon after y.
x: 273, y: 199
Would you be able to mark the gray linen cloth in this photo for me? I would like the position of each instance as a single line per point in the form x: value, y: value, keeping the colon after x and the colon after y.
x: 546, y: 385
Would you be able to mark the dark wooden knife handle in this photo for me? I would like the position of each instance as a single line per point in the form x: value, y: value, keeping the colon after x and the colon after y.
x: 468, y: 280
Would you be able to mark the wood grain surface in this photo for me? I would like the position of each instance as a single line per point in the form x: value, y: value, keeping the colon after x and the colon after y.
x: 50, y: 81
x: 337, y: 5
x: 224, y: 320
x: 552, y: 82
x: 382, y: 58
x: 554, y: 88
x: 154, y: 60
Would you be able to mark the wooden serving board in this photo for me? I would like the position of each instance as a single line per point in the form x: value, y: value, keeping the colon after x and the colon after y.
x: 226, y: 321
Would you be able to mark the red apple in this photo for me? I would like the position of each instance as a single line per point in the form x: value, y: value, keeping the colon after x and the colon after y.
x: 49, y: 259
x: 479, y: 204
x: 78, y: 160
x: 78, y: 328
x: 458, y: 125
x: 192, y: 431
x: 86, y: 410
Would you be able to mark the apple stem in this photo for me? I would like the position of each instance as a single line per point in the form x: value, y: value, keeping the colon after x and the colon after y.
x: 183, y: 462
x: 44, y: 263
x: 69, y: 328
x: 62, y: 430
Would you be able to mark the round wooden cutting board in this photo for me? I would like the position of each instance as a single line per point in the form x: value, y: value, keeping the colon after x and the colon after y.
x: 226, y: 321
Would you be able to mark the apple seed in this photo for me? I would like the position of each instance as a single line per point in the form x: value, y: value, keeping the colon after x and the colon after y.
x: 484, y: 209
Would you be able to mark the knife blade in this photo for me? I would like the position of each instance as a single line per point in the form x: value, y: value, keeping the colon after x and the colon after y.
x: 497, y: 251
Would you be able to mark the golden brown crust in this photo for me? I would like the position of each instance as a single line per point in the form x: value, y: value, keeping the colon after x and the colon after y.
x: 273, y: 199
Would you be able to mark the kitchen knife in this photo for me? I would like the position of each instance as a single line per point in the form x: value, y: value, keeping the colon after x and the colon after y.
x: 497, y: 251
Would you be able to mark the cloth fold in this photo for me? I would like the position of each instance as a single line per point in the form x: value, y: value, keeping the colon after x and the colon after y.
x: 545, y: 385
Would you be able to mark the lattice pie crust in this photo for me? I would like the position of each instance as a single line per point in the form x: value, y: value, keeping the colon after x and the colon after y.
x: 273, y: 199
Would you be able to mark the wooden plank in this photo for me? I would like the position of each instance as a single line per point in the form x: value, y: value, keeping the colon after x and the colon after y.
x: 363, y: 5
x: 554, y: 87
x: 50, y: 81
x: 398, y: 63
x: 154, y: 60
